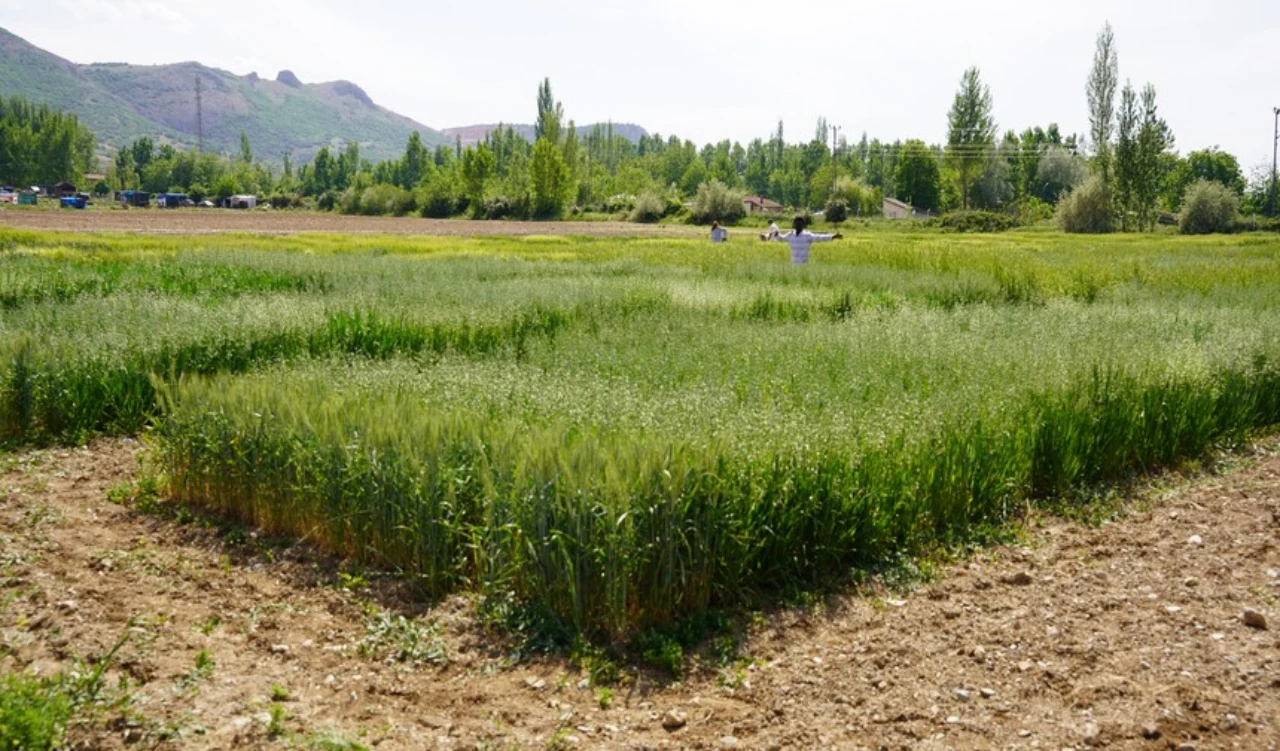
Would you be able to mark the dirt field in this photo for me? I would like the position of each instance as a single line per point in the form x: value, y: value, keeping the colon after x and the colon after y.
x: 204, y: 221
x: 1127, y: 635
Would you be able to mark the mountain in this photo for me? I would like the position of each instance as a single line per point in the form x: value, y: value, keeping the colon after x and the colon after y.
x: 472, y: 134
x: 121, y: 102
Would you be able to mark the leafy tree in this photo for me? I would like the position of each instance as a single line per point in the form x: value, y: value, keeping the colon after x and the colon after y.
x: 918, y: 179
x: 1126, y: 156
x: 551, y: 180
x: 415, y: 164
x: 695, y: 175
x: 39, y: 144
x: 1154, y: 139
x: 550, y: 114
x: 246, y: 153
x: 971, y: 131
x: 478, y: 166
x: 1208, y: 164
x: 1056, y: 172
x: 1101, y: 92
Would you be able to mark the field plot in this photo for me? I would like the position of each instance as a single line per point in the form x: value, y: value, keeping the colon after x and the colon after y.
x: 612, y: 434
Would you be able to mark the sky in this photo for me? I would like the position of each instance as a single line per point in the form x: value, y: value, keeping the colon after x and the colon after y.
x: 714, y: 69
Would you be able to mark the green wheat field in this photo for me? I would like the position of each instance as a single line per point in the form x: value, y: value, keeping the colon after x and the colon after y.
x: 621, y: 432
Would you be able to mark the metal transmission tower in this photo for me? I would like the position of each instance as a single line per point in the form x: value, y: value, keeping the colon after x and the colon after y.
x: 199, y: 119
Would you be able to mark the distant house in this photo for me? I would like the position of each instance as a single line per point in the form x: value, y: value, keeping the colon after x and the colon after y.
x: 758, y: 205
x: 171, y: 200
x: 138, y: 198
x: 64, y: 189
x: 895, y: 209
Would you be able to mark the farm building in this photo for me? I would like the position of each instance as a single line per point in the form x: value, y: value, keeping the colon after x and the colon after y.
x: 757, y: 205
x: 895, y: 209
x: 171, y: 200
x: 64, y: 189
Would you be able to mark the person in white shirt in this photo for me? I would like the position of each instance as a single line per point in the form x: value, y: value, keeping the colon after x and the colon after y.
x: 718, y: 234
x: 800, y: 239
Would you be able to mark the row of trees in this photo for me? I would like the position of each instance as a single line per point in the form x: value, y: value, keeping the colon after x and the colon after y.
x: 1131, y: 160
x: 40, y: 145
x: 1136, y: 173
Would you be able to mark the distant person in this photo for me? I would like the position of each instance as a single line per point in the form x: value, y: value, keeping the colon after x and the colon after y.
x: 718, y: 234
x: 772, y: 233
x: 800, y: 239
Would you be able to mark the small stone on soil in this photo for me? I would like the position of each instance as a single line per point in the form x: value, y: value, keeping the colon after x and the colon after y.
x: 1151, y: 731
x: 1195, y: 540
x: 962, y: 694
x: 674, y: 719
x: 1254, y: 619
x: 987, y: 693
x: 1020, y: 579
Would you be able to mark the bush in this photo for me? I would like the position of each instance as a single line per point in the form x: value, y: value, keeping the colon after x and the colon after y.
x: 1031, y: 210
x: 349, y: 201
x: 1087, y: 209
x: 327, y: 201
x: 385, y: 200
x: 1208, y: 207
x: 1257, y: 223
x: 438, y: 199
x: 836, y: 210
x: 623, y: 202
x: 649, y: 207
x: 497, y: 207
x: 716, y: 202
x: 976, y: 221
x: 282, y: 201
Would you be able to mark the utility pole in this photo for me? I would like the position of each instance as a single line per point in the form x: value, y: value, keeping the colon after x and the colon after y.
x: 1275, y: 144
x: 199, y: 119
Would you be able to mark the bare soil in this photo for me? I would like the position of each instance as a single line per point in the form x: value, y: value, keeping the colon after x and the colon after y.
x: 262, y: 221
x: 1126, y: 634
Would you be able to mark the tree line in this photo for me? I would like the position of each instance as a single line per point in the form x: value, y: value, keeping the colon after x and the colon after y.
x: 1124, y: 174
x: 40, y: 145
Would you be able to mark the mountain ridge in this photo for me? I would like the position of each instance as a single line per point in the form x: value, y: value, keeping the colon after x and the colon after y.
x: 122, y: 101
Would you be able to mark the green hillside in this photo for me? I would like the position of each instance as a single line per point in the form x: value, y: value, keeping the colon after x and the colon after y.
x: 121, y: 102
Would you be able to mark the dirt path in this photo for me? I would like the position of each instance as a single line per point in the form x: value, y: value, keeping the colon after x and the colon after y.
x: 207, y: 221
x: 1128, y: 635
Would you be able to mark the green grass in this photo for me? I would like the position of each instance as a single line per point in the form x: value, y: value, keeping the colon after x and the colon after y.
x: 618, y: 435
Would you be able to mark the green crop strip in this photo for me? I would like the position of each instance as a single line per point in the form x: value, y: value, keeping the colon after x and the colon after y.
x: 623, y: 432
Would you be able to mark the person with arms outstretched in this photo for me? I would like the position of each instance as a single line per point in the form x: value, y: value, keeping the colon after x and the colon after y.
x: 800, y: 239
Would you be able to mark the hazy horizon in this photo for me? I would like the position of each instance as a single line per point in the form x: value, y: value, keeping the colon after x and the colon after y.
x: 714, y: 70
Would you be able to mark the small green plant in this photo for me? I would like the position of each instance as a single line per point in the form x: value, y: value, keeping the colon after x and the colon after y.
x: 279, y: 693
x: 203, y: 667
x: 394, y: 638
x: 604, y: 697
x: 276, y: 724
x: 120, y: 493
x: 210, y: 624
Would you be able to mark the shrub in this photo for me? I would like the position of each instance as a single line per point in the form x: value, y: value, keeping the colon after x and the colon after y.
x: 327, y: 201
x: 716, y: 202
x: 385, y: 200
x: 620, y: 203
x: 1031, y: 210
x: 1087, y: 209
x: 1208, y: 207
x: 836, y: 210
x: 649, y: 207
x: 281, y: 201
x: 496, y: 207
x: 976, y: 221
x: 349, y: 201
x: 438, y: 199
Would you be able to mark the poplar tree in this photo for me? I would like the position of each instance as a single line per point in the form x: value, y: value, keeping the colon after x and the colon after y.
x: 1101, y: 91
x: 971, y: 131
